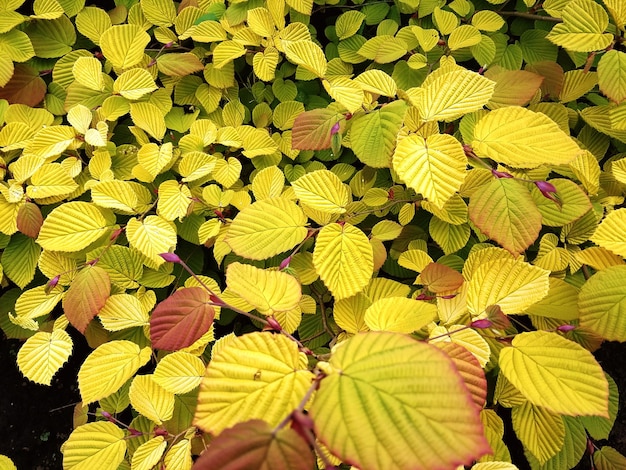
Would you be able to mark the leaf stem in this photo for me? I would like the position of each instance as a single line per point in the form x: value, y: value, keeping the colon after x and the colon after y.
x: 530, y: 16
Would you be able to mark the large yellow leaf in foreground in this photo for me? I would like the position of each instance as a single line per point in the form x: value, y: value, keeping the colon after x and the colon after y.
x: 556, y: 373
x: 254, y: 376
x: 411, y: 390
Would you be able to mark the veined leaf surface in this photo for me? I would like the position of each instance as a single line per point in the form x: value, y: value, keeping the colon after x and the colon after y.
x: 124, y: 44
x: 399, y: 314
x: 267, y: 291
x: 344, y: 259
x: 254, y: 444
x: 258, y: 375
x: 541, y: 431
x: 602, y: 303
x: 43, y: 354
x: 522, y: 138
x: 179, y: 372
x: 322, y: 190
x: 150, y: 399
x: 610, y: 233
x: 94, y: 445
x: 385, y: 379
x: 152, y: 236
x: 108, y: 367
x: 74, y: 226
x: 556, y: 373
x: 87, y: 294
x: 267, y: 228
x: 434, y: 167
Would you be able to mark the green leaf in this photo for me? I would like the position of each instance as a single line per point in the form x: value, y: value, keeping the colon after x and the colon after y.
x: 268, y: 291
x: 573, y: 203
x: 556, y: 373
x: 602, y: 303
x: 74, y: 226
x: 267, y: 228
x: 43, y: 354
x: 19, y: 259
x: 607, y: 458
x: 373, y: 135
x: 254, y: 444
x: 108, y: 367
x: 541, y: 431
x: 322, y: 190
x: 522, y: 138
x: 267, y: 368
x: 87, y: 294
x: 435, y: 166
x: 52, y: 38
x: 344, y: 259
x: 358, y: 396
x: 504, y: 210
x: 94, y: 445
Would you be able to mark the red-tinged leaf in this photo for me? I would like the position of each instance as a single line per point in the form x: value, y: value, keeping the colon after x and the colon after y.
x: 469, y: 368
x: 29, y: 219
x: 313, y: 130
x: 25, y: 87
x: 440, y: 278
x: 181, y: 319
x: 254, y: 444
x: 86, y: 296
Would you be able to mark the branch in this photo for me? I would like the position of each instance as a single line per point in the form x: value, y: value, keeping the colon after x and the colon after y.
x: 530, y: 16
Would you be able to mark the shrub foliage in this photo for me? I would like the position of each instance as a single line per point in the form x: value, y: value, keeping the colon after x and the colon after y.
x: 349, y: 232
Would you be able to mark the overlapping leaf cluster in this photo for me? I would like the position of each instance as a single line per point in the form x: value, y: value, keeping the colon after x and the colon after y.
x: 384, y: 202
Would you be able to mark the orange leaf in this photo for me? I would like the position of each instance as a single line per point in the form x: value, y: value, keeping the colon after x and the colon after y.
x: 469, y: 368
x: 181, y: 319
x: 25, y: 87
x: 86, y: 296
x: 440, y: 278
x: 29, y: 219
x: 312, y: 129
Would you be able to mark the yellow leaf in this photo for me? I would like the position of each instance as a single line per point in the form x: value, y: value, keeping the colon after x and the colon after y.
x: 150, y: 399
x: 367, y: 384
x: 556, y: 373
x: 152, y: 236
x: 383, y: 49
x: 91, y: 22
x: 349, y: 23
x: 133, y: 84
x: 561, y: 302
x: 160, y: 13
x: 349, y: 313
x: 346, y: 92
x: 227, y: 51
x: 301, y: 6
x: 344, y: 259
x: 124, y: 45
x: 610, y: 232
x: 602, y: 303
x: 88, y: 72
x: 43, y: 354
x: 148, y: 454
x: 541, y: 431
x: 74, y: 226
x: 415, y: 260
x: 264, y: 63
x: 51, y: 179
x: 179, y: 372
x: 512, y: 284
x: 150, y: 118
x: 178, y: 456
x: 583, y: 27
x: 94, y: 445
x: 267, y: 291
x: 174, y: 200
x: 466, y: 337
x: 399, y: 314
x: 464, y: 36
x: 122, y: 311
x: 108, y: 367
x: 267, y: 228
x: 322, y: 190
x: 51, y: 141
x: 487, y: 20
x: 452, y: 94
x: 522, y: 138
x: 257, y: 375
x: 434, y: 167
x: 308, y: 55
x: 115, y: 194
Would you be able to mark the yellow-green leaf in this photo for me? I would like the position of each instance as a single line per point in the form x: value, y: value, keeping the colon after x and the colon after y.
x: 435, y: 166
x: 399, y: 314
x: 487, y: 20
x: 522, y: 138
x: 344, y: 259
x: 348, y: 23
x: 267, y: 368
x: 174, y: 200
x: 541, y: 431
x: 267, y: 291
x: 612, y: 75
x: 583, y: 27
x: 150, y: 118
x: 74, y: 226
x: 148, y: 454
x: 152, y: 236
x: 602, y: 304
x: 322, y: 190
x: 464, y: 36
x: 150, y: 399
x: 378, y: 82
x: 556, y: 373
x: 135, y: 83
x: 561, y: 302
x: 108, y: 367
x: 452, y: 94
x: 51, y: 179
x: 94, y: 445
x: 512, y: 284
x: 610, y: 232
x: 43, y: 354
x: 607, y: 458
x: 124, y: 45
x: 179, y: 372
x: 358, y: 396
x: 308, y: 55
x: 122, y: 311
x: 267, y: 228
